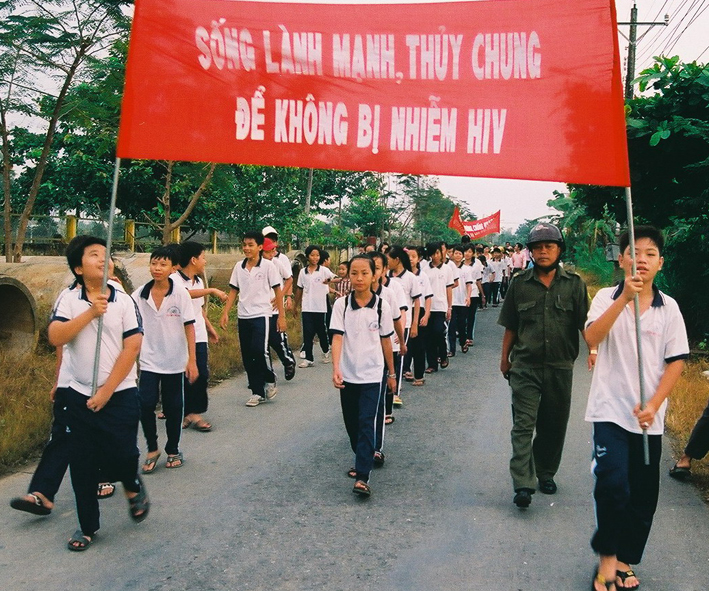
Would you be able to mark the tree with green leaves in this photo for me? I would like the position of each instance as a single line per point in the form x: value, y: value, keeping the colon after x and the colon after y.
x: 44, y: 48
x: 668, y: 146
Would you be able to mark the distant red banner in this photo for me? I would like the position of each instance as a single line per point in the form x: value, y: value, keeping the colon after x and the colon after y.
x: 475, y: 228
x: 526, y: 89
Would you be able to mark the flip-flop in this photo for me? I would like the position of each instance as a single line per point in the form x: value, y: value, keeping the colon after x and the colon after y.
x: 79, y: 542
x: 626, y: 574
x: 352, y: 473
x: 680, y: 473
x: 105, y: 486
x: 186, y: 424
x: 362, y: 489
x: 597, y: 577
x: 139, y: 505
x: 175, y: 461
x: 389, y: 419
x: 36, y: 506
x: 150, y: 464
x: 203, y: 426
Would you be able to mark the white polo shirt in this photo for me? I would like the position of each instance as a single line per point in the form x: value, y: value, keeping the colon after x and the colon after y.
x: 164, y: 348
x: 393, y: 295
x: 615, y: 387
x: 412, y: 291
x: 476, y: 272
x: 255, y: 287
x: 315, y: 288
x: 362, y: 330
x: 461, y: 292
x: 424, y: 287
x: 200, y: 326
x: 284, y: 265
x: 454, y: 269
x: 120, y: 321
x: 440, y: 277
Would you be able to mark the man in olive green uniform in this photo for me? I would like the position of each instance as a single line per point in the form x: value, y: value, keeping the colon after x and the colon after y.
x: 543, y: 313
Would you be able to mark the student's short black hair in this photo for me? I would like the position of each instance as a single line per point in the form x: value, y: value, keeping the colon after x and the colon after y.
x: 254, y: 235
x: 345, y: 263
x: 75, y: 251
x: 420, y: 250
x: 362, y: 257
x: 375, y: 254
x: 324, y: 256
x: 432, y: 247
x: 650, y: 232
x: 468, y: 246
x: 175, y: 248
x: 483, y: 260
x: 465, y: 239
x: 459, y: 248
x: 398, y: 252
x: 164, y: 252
x: 188, y: 251
x: 311, y: 248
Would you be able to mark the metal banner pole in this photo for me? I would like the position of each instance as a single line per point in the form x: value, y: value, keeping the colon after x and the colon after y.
x: 638, y: 332
x: 104, y: 283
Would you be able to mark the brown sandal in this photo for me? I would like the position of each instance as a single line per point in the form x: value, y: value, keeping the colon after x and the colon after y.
x: 362, y: 489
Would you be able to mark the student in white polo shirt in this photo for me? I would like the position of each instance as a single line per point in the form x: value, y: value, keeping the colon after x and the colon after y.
x: 312, y: 290
x: 283, y: 261
x: 278, y: 340
x: 361, y: 349
x: 167, y: 356
x: 193, y: 262
x: 627, y: 490
x: 103, y: 426
x: 253, y: 279
x: 461, y: 302
x: 442, y: 280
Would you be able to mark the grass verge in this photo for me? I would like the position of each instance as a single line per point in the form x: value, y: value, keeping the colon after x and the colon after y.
x: 25, y: 408
x: 686, y: 405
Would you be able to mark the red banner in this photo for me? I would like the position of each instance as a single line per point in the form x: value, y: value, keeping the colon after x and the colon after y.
x: 526, y: 89
x: 475, y: 228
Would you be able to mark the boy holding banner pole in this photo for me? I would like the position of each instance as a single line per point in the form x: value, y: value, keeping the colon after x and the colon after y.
x: 627, y: 484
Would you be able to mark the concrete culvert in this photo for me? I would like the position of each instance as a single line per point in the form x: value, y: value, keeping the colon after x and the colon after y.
x: 19, y: 330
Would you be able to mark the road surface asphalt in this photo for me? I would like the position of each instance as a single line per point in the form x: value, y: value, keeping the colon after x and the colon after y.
x: 263, y: 503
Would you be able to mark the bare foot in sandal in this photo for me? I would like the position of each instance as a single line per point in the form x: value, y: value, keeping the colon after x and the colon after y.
x: 35, y: 503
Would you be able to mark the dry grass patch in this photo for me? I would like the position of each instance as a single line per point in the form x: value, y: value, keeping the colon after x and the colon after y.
x: 25, y: 408
x: 686, y: 405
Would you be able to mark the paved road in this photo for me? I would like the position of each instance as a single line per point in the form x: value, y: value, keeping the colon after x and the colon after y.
x: 263, y: 503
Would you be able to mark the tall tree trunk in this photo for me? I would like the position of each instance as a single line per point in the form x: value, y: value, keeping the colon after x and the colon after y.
x: 6, y: 175
x: 170, y: 226
x: 42, y: 162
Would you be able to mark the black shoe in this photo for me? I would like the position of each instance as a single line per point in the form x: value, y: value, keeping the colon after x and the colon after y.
x: 523, y: 497
x: 378, y: 459
x: 547, y: 486
x: 290, y: 372
x: 680, y: 473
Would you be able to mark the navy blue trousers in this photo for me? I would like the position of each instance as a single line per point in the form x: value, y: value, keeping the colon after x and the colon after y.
x: 102, y: 442
x: 253, y: 338
x: 195, y: 395
x: 626, y: 491
x: 359, y: 404
x: 55, y: 457
x: 169, y: 387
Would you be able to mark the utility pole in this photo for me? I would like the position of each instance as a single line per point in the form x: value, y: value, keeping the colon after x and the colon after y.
x: 633, y: 43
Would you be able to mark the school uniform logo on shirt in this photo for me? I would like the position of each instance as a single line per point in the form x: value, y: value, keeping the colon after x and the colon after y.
x: 174, y: 311
x: 259, y: 276
x: 373, y: 326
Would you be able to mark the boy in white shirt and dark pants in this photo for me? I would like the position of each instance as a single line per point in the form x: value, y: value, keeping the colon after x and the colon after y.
x: 627, y: 490
x: 167, y: 356
x: 253, y: 279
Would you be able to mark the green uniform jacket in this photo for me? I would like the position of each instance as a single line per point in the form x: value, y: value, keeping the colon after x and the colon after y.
x: 547, y: 321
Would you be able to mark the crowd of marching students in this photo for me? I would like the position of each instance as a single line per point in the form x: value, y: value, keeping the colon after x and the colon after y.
x: 388, y: 316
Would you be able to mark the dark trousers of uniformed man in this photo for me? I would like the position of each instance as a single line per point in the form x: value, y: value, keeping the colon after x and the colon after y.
x: 541, y: 402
